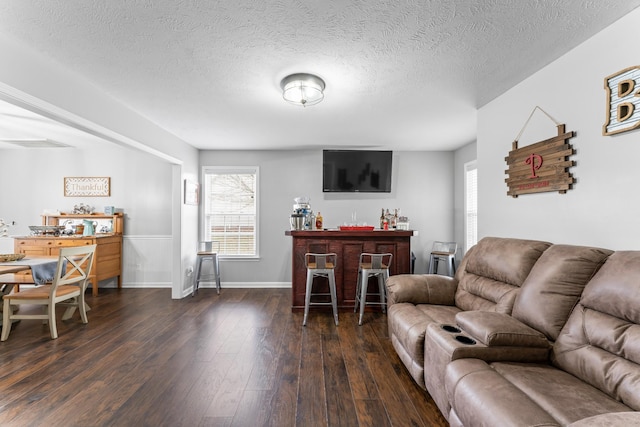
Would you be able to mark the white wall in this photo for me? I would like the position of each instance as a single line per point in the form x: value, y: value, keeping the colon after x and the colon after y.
x: 139, y: 185
x: 602, y: 209
x: 422, y: 189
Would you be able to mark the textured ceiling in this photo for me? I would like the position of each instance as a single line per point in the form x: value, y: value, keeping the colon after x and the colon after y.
x: 401, y: 74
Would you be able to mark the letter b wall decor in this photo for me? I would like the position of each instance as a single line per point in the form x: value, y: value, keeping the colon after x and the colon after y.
x: 623, y: 101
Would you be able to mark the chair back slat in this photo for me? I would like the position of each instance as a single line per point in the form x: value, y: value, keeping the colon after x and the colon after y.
x: 445, y: 247
x: 210, y: 246
x: 320, y: 261
x: 74, y: 267
x: 376, y: 261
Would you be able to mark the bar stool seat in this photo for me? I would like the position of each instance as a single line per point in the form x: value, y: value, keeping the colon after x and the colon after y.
x: 206, y: 253
x: 372, y: 265
x: 320, y: 265
x: 443, y: 251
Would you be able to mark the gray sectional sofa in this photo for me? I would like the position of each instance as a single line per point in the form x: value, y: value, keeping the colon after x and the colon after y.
x: 526, y: 333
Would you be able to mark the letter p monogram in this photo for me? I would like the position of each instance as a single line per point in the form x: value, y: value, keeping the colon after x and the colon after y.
x: 535, y: 160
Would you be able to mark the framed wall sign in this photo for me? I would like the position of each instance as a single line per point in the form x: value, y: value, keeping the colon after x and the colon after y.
x: 191, y: 192
x: 87, y: 186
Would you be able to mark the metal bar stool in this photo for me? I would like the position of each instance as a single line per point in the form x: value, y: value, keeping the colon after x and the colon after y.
x: 320, y: 265
x: 443, y: 251
x: 372, y: 265
x: 206, y: 253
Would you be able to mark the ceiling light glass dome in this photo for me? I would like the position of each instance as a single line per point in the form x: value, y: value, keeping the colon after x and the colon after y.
x: 302, y: 89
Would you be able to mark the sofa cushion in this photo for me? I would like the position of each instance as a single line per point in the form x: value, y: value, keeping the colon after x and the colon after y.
x: 562, y: 395
x: 504, y: 393
x: 494, y: 271
x: 616, y: 289
x: 600, y: 343
x: 554, y: 286
x: 613, y: 419
x: 480, y: 396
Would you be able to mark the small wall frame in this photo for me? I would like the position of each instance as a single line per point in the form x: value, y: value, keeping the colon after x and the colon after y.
x: 191, y: 192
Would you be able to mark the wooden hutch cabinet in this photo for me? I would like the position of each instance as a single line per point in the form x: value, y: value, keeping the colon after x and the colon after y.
x: 108, y: 257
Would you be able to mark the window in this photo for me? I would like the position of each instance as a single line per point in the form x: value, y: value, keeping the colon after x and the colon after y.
x: 470, y: 204
x: 230, y: 216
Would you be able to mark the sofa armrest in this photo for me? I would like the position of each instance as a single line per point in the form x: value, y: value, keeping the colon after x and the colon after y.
x: 500, y: 330
x: 421, y: 289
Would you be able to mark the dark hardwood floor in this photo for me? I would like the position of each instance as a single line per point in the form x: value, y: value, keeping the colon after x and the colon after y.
x: 241, y: 358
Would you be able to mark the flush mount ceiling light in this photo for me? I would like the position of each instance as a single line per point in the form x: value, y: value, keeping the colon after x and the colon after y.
x: 302, y: 89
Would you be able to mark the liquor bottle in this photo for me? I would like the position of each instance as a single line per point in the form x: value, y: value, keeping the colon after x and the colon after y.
x: 394, y: 219
x: 319, y: 221
x: 382, y: 219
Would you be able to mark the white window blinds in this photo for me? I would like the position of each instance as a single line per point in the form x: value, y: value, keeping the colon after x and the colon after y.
x: 230, y: 210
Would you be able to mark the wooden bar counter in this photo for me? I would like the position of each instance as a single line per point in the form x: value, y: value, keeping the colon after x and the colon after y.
x: 348, y: 245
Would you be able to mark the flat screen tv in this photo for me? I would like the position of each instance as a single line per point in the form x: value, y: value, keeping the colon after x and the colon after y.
x: 346, y: 171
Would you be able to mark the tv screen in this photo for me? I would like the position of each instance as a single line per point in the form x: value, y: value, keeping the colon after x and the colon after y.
x: 363, y: 171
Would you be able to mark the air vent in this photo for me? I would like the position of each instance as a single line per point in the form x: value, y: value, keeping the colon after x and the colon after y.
x: 35, y: 143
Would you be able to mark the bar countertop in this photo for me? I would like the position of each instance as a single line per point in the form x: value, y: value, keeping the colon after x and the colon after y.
x: 334, y: 232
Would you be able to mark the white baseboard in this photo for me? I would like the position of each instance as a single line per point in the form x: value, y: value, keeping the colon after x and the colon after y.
x: 230, y: 285
x: 249, y: 285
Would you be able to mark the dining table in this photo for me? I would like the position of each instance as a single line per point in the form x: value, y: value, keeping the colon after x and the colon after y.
x: 6, y: 269
x: 42, y: 268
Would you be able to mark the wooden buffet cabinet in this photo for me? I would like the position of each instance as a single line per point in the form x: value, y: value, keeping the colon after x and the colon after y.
x: 348, y: 245
x: 108, y: 257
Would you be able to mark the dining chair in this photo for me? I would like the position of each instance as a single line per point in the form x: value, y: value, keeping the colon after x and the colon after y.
x: 11, y: 282
x: 67, y: 289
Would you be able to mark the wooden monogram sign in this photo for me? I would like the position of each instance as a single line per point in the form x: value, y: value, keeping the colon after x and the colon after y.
x: 541, y: 167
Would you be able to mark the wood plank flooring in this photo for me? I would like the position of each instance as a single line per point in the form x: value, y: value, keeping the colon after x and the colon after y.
x: 241, y: 358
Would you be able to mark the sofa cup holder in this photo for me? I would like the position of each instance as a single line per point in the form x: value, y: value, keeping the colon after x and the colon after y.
x: 451, y: 328
x: 465, y: 340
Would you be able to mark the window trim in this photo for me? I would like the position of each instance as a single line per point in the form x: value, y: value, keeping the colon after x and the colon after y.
x: 229, y: 170
x: 469, y: 166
